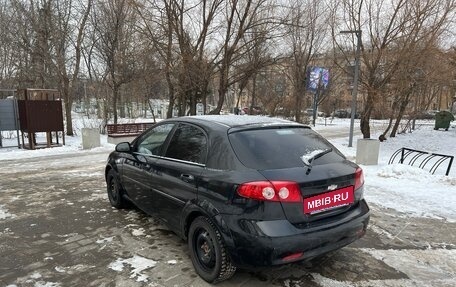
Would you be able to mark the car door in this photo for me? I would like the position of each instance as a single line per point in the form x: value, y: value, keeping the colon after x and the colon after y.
x: 179, y: 171
x: 139, y: 170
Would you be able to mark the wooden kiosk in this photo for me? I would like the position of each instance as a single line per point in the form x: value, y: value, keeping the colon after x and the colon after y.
x: 40, y: 110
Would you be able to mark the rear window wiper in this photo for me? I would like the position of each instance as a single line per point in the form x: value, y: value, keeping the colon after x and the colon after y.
x: 307, y: 159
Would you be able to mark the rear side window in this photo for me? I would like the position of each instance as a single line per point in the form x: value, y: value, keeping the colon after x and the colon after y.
x: 188, y: 143
x: 152, y: 142
x: 275, y: 148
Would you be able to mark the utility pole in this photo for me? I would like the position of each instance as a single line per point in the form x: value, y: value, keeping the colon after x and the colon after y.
x: 355, y: 82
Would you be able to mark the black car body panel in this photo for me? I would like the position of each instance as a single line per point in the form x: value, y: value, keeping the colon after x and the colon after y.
x: 178, y: 187
x: 265, y: 243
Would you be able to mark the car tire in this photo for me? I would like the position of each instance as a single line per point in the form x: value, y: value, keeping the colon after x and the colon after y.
x: 208, y: 252
x: 115, y: 191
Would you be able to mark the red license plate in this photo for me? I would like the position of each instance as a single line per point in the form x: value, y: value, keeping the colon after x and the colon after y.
x: 329, y: 200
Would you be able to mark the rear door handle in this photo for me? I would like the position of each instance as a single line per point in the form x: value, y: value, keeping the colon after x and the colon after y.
x: 187, y: 178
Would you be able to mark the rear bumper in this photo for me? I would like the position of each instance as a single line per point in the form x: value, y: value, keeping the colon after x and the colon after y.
x: 267, y: 243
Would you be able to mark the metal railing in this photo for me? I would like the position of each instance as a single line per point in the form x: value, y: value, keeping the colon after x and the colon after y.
x: 414, y: 157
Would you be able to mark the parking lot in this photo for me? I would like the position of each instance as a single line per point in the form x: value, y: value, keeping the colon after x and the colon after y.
x: 58, y: 229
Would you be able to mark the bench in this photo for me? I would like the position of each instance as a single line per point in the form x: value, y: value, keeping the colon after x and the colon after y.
x: 125, y: 132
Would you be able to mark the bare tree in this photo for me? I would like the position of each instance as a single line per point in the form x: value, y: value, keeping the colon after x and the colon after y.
x: 305, y: 34
x: 114, y: 24
x: 422, y: 80
x: 240, y: 17
x: 67, y: 49
x: 253, y: 57
x: 48, y: 51
x: 392, y: 28
x: 422, y: 46
x: 195, y: 68
x: 31, y: 31
x: 8, y: 48
x: 156, y: 26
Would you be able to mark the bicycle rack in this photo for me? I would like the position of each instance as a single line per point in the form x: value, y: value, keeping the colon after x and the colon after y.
x: 412, y: 155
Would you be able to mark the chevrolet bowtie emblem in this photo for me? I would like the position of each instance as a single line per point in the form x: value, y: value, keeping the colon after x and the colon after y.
x: 332, y: 187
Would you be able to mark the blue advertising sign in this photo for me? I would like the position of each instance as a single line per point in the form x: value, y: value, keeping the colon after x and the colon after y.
x: 317, y: 77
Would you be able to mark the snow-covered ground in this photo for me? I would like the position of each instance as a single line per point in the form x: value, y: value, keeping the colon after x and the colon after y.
x: 73, y: 144
x: 407, y: 189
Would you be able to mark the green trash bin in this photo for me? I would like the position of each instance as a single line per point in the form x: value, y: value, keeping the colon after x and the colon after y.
x: 443, y: 119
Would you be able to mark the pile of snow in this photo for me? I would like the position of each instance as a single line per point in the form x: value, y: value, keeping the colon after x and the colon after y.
x: 410, y: 189
x: 35, y: 279
x: 137, y: 263
x: 4, y: 213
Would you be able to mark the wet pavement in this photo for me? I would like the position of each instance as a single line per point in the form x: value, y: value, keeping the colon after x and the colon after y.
x: 58, y: 229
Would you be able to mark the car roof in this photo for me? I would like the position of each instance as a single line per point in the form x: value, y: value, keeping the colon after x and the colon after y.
x: 240, y: 121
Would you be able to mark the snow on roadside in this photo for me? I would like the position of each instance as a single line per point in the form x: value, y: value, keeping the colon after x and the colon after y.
x: 323, y: 281
x: 4, y: 214
x: 424, y: 138
x: 36, y: 279
x: 409, y: 189
x: 46, y: 284
x: 105, y: 240
x: 72, y: 145
x: 138, y: 232
x: 422, y: 267
x: 419, y: 265
x: 137, y: 263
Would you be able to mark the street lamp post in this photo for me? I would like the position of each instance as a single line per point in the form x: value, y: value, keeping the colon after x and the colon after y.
x: 355, y: 82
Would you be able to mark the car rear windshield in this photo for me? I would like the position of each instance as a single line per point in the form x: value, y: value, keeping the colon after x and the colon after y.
x: 274, y: 148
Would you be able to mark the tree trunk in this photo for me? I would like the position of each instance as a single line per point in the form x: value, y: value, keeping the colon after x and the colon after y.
x: 364, y: 125
x: 171, y: 96
x: 390, y: 122
x: 238, y: 99
x: 115, y: 97
x: 121, y: 104
x: 298, y: 103
x: 105, y: 110
x: 252, y: 103
x: 192, y: 97
x: 169, y: 112
x: 222, y: 90
x: 180, y: 105
x: 151, y: 110
x: 68, y: 102
x: 366, y: 114
x: 204, y: 100
x: 402, y: 108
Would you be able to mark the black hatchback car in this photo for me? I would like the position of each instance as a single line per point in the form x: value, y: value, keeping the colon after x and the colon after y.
x: 243, y: 191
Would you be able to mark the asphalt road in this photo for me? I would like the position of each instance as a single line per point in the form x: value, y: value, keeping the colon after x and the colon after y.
x: 58, y: 229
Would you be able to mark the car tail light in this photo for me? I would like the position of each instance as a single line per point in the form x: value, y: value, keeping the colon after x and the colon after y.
x: 284, y: 191
x: 359, y: 178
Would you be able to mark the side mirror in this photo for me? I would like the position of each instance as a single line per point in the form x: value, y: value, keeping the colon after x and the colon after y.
x: 123, y: 147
